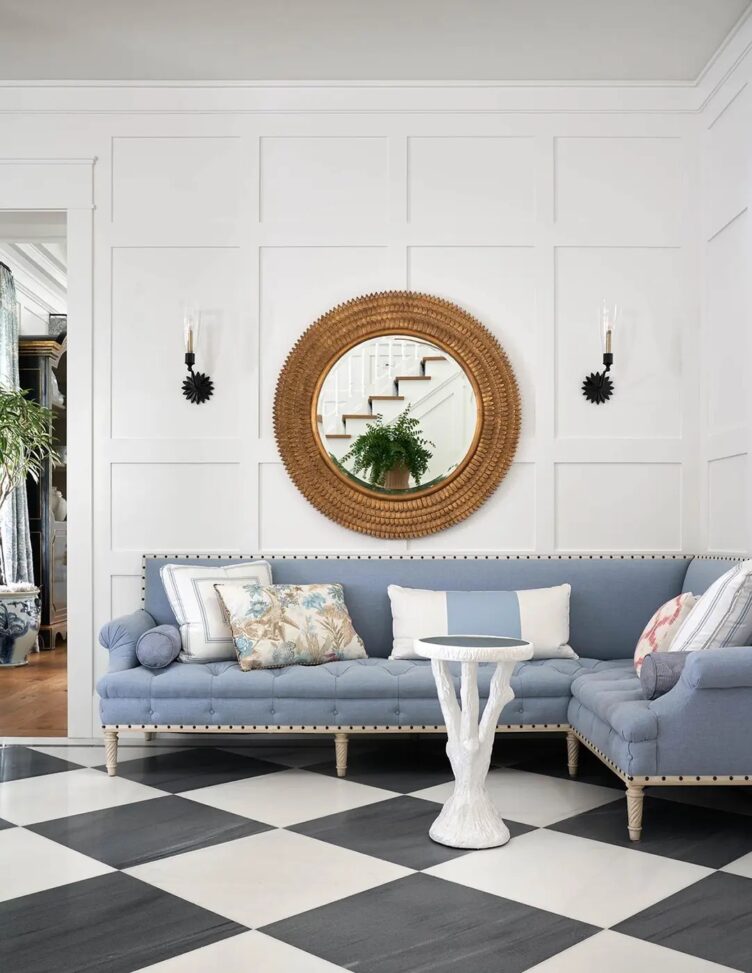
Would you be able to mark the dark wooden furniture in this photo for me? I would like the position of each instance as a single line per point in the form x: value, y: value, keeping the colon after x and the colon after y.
x: 42, y: 359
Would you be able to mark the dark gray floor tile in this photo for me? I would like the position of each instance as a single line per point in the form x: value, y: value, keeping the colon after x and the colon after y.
x: 591, y: 770
x: 511, y: 748
x: 710, y: 919
x: 422, y: 923
x: 681, y: 831
x: 109, y: 924
x: 5, y: 824
x: 395, y: 831
x: 19, y: 762
x: 185, y: 770
x: 136, y: 833
x: 735, y: 798
x: 402, y: 764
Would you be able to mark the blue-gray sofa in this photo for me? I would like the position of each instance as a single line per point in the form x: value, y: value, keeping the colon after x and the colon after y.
x: 698, y: 733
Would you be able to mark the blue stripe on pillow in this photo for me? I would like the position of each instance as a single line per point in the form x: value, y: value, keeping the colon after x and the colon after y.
x: 483, y: 613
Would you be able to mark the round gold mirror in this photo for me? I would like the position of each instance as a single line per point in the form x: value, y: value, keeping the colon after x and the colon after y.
x: 397, y: 414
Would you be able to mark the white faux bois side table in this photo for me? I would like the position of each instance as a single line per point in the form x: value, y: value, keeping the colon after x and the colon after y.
x: 469, y: 819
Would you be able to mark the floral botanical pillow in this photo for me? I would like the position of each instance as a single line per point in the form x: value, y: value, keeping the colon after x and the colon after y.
x: 289, y: 624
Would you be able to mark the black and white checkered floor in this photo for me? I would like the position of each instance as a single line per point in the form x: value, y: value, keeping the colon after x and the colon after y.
x: 257, y: 858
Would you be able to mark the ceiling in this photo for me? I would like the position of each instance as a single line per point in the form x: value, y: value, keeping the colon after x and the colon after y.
x: 363, y: 40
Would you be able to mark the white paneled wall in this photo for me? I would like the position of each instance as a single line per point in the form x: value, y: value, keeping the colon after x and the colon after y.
x: 726, y: 341
x: 526, y: 222
x: 268, y: 218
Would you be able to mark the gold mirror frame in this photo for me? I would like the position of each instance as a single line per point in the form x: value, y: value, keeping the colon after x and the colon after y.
x: 419, y: 512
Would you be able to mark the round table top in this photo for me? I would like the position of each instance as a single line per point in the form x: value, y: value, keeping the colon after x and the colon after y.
x: 474, y: 648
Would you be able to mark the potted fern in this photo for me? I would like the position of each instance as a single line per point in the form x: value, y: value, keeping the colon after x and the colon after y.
x: 25, y: 444
x: 388, y: 454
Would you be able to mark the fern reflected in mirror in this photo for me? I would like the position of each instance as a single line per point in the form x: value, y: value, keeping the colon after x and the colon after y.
x: 396, y: 414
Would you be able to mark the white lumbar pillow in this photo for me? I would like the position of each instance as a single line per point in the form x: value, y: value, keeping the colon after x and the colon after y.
x: 538, y: 615
x: 204, y: 628
x: 722, y: 616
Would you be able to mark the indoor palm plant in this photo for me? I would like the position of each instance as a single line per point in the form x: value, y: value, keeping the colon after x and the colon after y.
x: 25, y: 444
x: 388, y: 454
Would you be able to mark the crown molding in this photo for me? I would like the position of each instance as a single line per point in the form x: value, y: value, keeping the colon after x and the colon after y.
x: 393, y: 97
x: 718, y: 82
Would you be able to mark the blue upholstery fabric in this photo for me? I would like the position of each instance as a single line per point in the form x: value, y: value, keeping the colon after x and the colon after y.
x: 120, y: 637
x: 701, y: 727
x: 660, y: 672
x: 702, y: 572
x: 159, y: 646
x: 612, y: 598
x: 728, y: 668
x: 379, y: 692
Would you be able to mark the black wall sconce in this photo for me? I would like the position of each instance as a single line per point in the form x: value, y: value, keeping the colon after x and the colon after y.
x: 598, y: 387
x: 197, y: 387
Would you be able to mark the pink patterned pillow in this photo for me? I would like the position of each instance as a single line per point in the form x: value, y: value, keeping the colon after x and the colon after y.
x: 662, y: 627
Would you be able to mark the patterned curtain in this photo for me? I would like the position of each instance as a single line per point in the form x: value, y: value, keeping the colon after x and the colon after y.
x: 14, y: 517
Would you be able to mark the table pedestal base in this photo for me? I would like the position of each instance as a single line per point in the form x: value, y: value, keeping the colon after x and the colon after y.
x: 470, y: 820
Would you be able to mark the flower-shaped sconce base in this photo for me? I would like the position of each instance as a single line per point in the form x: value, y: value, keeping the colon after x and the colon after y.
x: 197, y: 387
x: 598, y: 387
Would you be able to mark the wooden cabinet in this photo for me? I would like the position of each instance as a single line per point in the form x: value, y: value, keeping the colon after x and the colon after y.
x: 42, y: 367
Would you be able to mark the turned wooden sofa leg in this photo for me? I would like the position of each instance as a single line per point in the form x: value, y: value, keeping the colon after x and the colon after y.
x: 110, y: 751
x: 573, y: 753
x: 340, y: 750
x: 635, y: 794
x: 149, y: 736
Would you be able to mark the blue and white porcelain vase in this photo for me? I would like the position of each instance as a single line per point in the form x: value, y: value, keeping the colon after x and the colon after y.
x: 19, y: 624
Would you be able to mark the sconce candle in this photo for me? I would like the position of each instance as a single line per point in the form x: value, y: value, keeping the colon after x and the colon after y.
x: 598, y: 387
x: 197, y: 387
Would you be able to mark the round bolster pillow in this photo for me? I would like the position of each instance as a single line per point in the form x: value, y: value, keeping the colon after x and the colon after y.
x: 659, y: 673
x: 159, y: 647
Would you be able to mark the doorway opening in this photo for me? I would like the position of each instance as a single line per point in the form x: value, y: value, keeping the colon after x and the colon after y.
x: 34, y: 264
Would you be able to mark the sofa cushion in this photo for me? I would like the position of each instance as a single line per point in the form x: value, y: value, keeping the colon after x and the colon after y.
x: 614, y: 696
x: 379, y: 692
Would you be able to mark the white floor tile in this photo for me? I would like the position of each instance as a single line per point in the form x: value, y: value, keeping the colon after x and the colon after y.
x: 266, y: 877
x: 622, y: 954
x: 250, y: 951
x: 30, y: 863
x: 288, y: 797
x: 742, y: 866
x: 95, y: 757
x: 576, y: 877
x: 533, y: 798
x: 49, y: 796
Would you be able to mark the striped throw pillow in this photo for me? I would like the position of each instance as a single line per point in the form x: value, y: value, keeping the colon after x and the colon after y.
x: 722, y: 616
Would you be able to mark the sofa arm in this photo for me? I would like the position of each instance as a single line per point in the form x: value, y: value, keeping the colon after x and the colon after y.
x: 120, y: 636
x: 729, y: 668
x: 705, y: 721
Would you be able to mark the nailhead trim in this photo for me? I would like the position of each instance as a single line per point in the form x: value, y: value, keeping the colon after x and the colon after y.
x: 340, y: 728
x: 681, y: 779
x: 431, y: 557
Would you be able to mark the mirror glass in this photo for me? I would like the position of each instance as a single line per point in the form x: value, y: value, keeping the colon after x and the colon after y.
x: 396, y: 414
